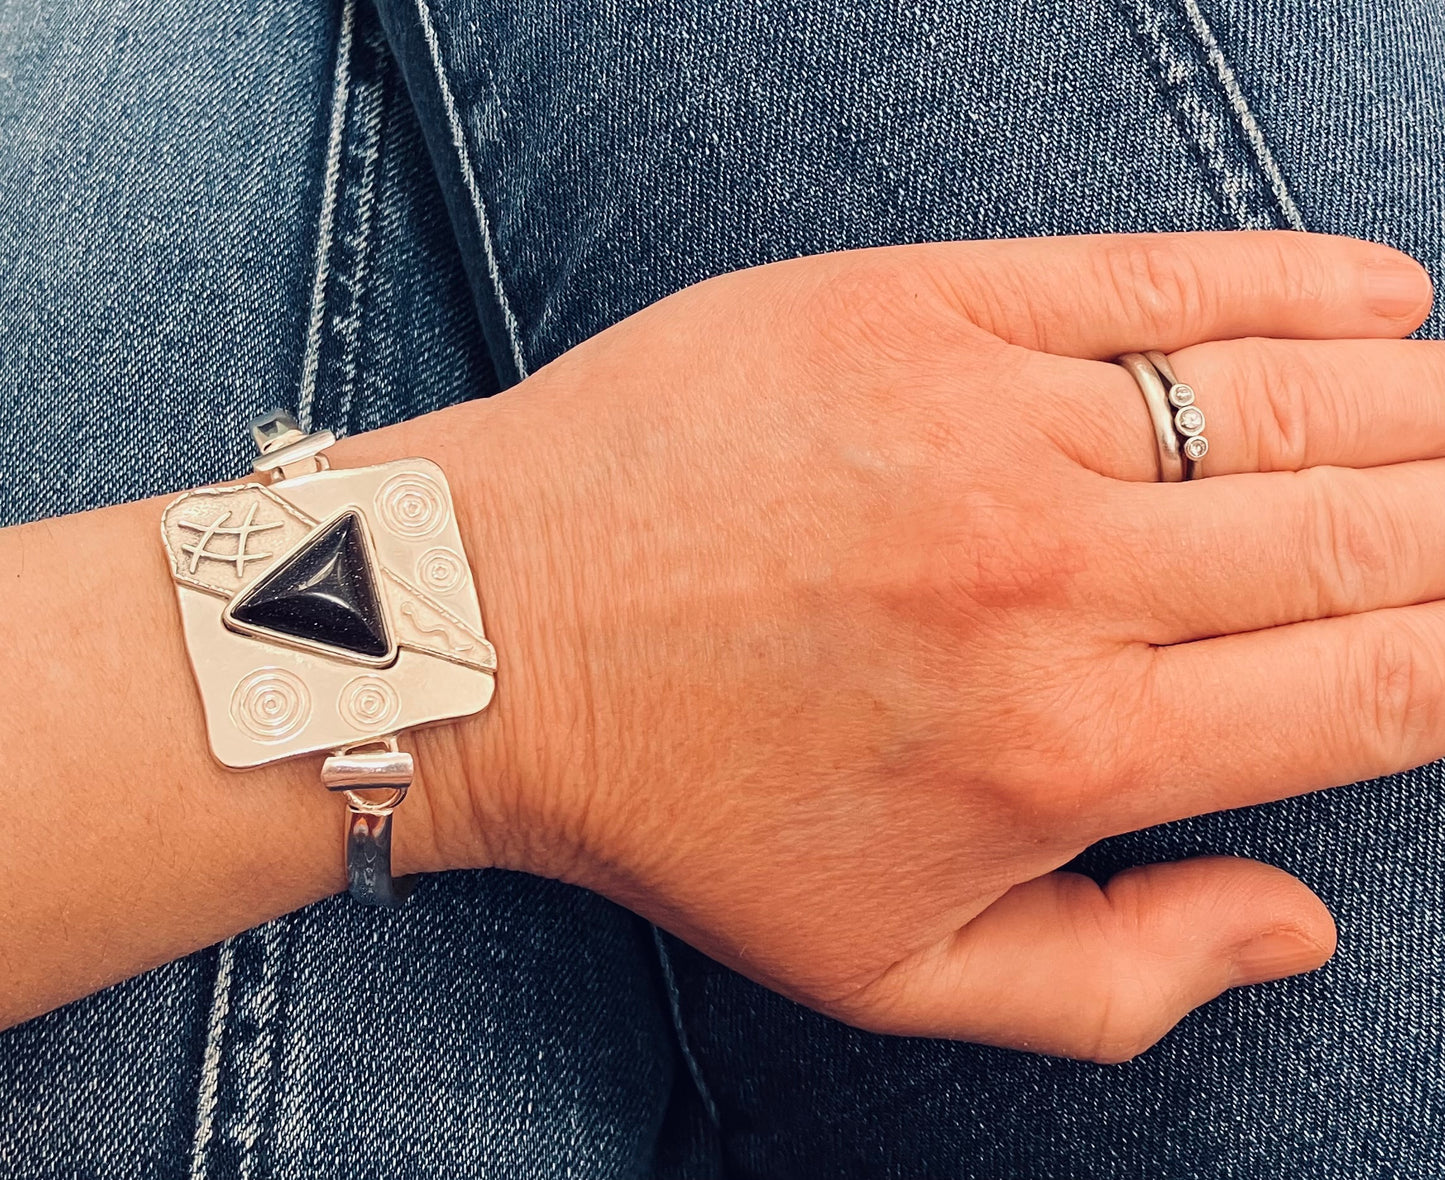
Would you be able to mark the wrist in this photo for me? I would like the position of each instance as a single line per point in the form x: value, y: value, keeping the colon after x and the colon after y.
x: 481, y: 797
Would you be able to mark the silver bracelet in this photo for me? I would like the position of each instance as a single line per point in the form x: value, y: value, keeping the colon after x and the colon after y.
x: 327, y: 611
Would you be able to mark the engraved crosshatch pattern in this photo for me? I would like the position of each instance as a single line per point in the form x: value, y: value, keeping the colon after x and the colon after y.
x: 219, y: 539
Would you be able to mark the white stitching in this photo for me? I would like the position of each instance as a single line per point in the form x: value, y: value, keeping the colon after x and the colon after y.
x: 348, y: 326
x: 263, y: 1003
x: 1247, y: 122
x: 340, y: 96
x: 1201, y: 85
x: 249, y: 1062
x: 674, y: 1002
x: 464, y: 161
x: 211, y: 1061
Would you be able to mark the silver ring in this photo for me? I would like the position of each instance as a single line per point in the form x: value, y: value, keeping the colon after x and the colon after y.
x: 1177, y: 419
x: 1188, y: 417
x: 1156, y: 397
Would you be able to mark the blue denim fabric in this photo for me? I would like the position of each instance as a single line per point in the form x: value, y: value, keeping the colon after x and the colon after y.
x: 211, y: 209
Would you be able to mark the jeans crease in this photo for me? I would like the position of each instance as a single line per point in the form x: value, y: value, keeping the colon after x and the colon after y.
x: 340, y: 100
x: 469, y: 179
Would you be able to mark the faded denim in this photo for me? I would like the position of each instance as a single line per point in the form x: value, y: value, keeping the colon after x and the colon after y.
x: 207, y: 211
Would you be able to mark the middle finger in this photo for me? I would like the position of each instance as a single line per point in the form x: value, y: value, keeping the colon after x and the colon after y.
x: 1245, y: 552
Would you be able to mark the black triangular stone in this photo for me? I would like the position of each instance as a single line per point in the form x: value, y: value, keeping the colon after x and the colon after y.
x: 324, y: 592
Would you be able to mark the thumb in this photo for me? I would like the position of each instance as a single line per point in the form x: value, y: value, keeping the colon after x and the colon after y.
x: 1063, y: 966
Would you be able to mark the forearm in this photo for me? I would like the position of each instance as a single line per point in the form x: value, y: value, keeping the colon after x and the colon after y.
x: 125, y: 844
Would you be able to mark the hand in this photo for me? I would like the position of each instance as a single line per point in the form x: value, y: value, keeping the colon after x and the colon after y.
x: 841, y: 608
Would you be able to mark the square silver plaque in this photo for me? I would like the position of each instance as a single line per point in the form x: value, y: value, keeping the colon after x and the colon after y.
x: 327, y: 610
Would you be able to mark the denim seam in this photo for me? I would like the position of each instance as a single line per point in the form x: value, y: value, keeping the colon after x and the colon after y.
x: 211, y: 1060
x: 1196, y: 81
x: 469, y: 178
x: 340, y: 99
x: 238, y: 1062
x: 346, y: 325
x: 1239, y: 107
x: 247, y: 1128
x: 674, y: 1003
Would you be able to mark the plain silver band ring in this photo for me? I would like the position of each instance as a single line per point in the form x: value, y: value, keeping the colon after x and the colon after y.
x: 1156, y: 397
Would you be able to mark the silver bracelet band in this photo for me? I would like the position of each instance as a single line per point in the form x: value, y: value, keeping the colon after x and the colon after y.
x: 374, y: 783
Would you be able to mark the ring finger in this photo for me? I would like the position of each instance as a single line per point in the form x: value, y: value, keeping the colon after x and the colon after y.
x: 1279, y: 405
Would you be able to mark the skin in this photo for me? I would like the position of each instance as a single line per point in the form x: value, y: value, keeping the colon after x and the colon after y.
x: 836, y: 608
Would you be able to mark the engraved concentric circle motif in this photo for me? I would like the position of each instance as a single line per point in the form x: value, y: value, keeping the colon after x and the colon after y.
x: 370, y: 703
x: 412, y: 505
x: 270, y: 705
x: 441, y: 570
x: 1181, y: 395
x: 1197, y: 447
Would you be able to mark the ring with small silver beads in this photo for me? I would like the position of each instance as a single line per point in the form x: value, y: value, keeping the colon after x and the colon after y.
x: 1188, y: 417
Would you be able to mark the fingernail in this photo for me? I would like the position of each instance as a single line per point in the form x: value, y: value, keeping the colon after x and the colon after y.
x: 1276, y: 954
x: 1396, y: 287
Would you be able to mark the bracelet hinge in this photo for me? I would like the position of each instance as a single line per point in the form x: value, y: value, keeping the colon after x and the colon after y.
x: 286, y: 449
x: 390, y: 770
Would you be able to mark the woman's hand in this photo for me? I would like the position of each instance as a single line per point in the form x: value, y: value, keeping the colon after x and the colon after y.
x: 837, y: 607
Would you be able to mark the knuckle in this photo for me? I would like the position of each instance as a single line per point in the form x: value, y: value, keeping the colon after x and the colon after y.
x: 1430, y: 355
x: 877, y: 1007
x: 991, y: 560
x: 1395, y: 684
x: 1115, y: 756
x: 1131, y: 1006
x: 1282, y: 425
x: 1119, y: 1039
x: 1354, y: 542
x: 1060, y: 727
x: 1308, y: 264
x: 1300, y: 406
x: 1034, y: 796
x: 1004, y: 303
x: 1160, y: 283
x: 1124, y: 1002
x: 855, y: 293
x: 872, y: 307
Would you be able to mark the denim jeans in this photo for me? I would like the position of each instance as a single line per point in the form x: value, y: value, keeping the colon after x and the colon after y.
x: 211, y: 209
